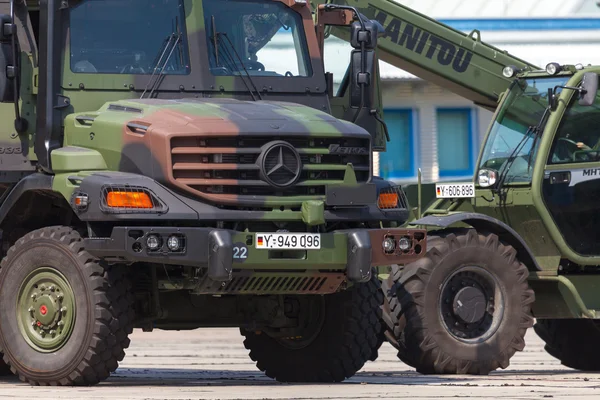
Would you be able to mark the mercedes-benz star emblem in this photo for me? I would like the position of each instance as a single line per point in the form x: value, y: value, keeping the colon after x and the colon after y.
x: 280, y: 164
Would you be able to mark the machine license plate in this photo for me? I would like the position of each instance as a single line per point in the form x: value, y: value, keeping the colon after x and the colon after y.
x: 288, y: 241
x: 455, y: 190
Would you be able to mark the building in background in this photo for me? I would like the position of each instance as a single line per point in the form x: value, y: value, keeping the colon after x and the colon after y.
x: 440, y: 132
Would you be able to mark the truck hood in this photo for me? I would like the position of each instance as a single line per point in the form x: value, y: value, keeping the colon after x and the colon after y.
x: 201, y: 146
x: 230, y: 116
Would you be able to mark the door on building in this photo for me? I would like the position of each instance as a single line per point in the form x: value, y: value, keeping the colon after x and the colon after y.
x: 571, y: 185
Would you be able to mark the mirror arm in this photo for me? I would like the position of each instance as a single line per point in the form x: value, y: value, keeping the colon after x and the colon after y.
x: 20, y: 123
x: 383, y: 124
x: 552, y: 93
x: 569, y: 87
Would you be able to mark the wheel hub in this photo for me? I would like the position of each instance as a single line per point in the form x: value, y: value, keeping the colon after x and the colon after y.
x: 46, y: 309
x: 311, y: 314
x: 468, y: 304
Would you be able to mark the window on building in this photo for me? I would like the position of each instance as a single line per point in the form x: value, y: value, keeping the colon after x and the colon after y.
x: 399, y: 159
x: 455, y: 142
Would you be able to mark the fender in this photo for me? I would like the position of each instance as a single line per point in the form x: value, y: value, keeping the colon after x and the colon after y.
x: 36, y: 181
x: 485, y: 223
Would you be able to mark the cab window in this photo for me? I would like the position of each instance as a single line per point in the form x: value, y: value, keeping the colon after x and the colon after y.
x: 255, y: 37
x: 578, y: 137
x: 128, y: 37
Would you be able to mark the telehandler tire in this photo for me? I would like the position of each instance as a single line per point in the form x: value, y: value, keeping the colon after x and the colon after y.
x: 572, y: 341
x: 347, y: 336
x: 65, y: 315
x: 4, y: 369
x: 464, y: 308
x: 392, y: 318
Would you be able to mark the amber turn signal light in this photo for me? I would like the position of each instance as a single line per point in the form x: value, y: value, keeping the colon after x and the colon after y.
x: 387, y: 200
x: 129, y: 200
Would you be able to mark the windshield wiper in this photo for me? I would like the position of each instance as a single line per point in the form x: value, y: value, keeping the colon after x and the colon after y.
x: 514, y: 154
x: 227, y: 54
x: 164, y: 53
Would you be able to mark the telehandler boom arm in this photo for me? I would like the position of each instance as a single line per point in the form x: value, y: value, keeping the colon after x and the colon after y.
x: 436, y: 52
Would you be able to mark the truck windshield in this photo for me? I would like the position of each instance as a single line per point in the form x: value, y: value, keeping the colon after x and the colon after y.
x: 522, y: 109
x: 127, y: 36
x: 268, y: 37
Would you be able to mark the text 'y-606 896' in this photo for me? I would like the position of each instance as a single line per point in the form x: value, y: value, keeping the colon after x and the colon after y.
x: 420, y: 41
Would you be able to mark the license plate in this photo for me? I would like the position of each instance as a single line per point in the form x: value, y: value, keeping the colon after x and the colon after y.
x: 288, y: 241
x: 455, y: 190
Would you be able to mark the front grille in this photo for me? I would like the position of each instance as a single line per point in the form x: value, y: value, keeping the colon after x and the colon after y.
x: 231, y: 166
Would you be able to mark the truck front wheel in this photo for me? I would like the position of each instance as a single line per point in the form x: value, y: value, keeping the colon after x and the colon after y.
x: 462, y: 309
x: 343, y: 333
x: 65, y: 316
x: 572, y: 341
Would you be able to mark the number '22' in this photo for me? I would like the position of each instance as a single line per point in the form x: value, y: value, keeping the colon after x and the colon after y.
x: 240, y: 252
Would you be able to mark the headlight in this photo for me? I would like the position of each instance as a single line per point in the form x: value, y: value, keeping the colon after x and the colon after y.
x: 153, y: 242
x: 553, y: 68
x: 487, y: 177
x: 389, y: 245
x: 509, y: 71
x: 174, y: 243
x: 404, y: 243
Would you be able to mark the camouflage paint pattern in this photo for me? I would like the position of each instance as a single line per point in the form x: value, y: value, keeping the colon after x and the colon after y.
x: 170, y: 151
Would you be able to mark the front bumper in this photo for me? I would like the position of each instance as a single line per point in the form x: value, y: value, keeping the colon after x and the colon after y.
x: 222, y: 251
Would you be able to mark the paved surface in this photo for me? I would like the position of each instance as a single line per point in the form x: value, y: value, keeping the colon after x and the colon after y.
x: 213, y: 364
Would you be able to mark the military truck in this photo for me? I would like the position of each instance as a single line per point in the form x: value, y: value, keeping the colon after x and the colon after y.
x: 160, y: 170
x: 519, y: 241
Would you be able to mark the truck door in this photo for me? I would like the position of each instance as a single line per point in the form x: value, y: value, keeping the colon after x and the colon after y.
x: 571, y: 185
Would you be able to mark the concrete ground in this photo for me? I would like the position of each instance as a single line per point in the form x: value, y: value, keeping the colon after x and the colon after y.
x: 213, y: 364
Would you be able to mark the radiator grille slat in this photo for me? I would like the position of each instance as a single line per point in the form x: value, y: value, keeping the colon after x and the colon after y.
x: 230, y: 165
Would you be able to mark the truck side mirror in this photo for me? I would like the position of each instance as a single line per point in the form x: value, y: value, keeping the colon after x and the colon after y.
x: 360, y: 78
x: 363, y: 38
x: 7, y: 62
x: 589, y: 88
x: 368, y: 36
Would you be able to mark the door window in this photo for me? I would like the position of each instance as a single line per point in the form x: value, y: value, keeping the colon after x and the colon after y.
x: 572, y: 193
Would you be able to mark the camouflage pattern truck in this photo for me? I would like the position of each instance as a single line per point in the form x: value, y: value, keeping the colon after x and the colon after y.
x: 165, y: 164
x: 521, y: 240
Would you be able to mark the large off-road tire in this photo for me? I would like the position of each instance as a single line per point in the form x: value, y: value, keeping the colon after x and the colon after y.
x: 572, y: 341
x: 345, y: 339
x: 464, y: 308
x: 65, y: 315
